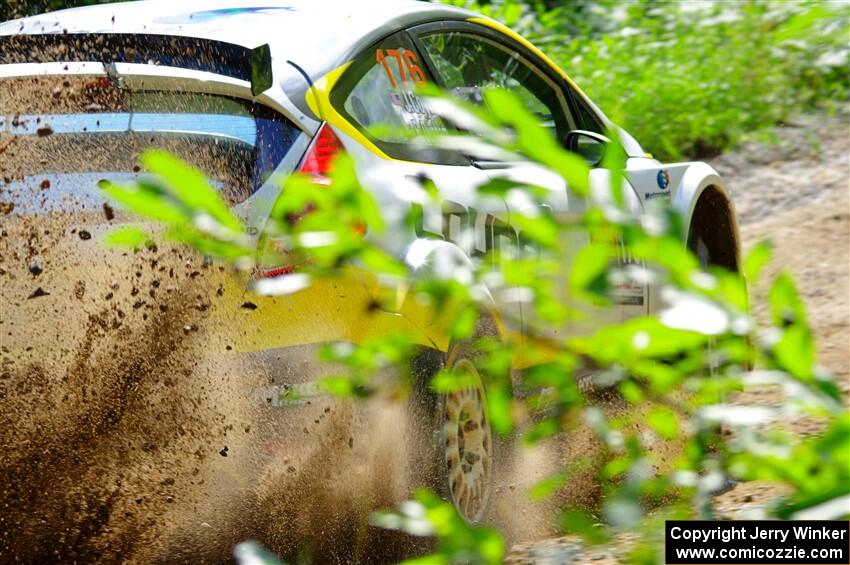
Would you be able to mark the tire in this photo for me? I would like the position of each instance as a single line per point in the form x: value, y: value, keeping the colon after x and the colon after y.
x: 467, y: 444
x: 456, y: 452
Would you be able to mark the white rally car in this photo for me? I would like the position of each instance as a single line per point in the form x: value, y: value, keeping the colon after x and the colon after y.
x: 246, y: 89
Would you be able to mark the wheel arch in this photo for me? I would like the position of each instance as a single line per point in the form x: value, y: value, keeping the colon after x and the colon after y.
x: 441, y: 259
x: 705, y: 203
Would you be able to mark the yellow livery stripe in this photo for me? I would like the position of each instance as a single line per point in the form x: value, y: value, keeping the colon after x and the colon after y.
x: 341, y: 308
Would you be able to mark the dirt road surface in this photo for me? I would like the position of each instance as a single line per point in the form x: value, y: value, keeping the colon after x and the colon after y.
x: 796, y: 194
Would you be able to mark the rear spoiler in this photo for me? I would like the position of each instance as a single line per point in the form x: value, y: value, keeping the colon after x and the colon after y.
x: 228, y: 59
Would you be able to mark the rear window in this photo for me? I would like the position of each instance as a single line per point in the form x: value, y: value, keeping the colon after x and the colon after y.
x: 59, y: 137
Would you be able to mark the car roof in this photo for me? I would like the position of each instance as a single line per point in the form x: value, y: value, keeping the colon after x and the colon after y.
x: 318, y: 35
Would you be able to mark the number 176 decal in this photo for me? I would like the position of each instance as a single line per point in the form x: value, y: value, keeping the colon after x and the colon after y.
x: 407, y: 63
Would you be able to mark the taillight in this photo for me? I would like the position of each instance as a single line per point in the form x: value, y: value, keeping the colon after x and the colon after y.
x: 318, y: 162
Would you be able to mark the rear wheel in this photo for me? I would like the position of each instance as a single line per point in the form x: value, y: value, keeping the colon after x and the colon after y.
x: 467, y: 439
x: 454, y: 452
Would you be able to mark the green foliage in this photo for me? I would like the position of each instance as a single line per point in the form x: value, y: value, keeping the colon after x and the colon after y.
x: 131, y: 236
x: 183, y: 203
x: 457, y: 541
x: 688, y: 79
x: 677, y: 368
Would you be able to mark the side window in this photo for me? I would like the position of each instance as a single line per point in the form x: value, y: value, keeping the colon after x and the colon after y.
x: 378, y: 94
x: 468, y: 63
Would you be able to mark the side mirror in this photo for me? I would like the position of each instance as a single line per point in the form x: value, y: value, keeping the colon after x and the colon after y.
x: 587, y: 144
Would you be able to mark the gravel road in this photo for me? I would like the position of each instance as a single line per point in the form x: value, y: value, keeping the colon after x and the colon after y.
x: 796, y: 194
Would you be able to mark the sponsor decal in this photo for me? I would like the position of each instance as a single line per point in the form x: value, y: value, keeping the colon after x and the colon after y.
x: 663, y: 179
x: 651, y: 195
x: 628, y: 296
x: 279, y: 396
x: 413, y: 112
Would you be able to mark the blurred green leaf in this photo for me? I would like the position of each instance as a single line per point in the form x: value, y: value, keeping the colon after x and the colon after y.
x: 785, y: 303
x: 190, y: 186
x: 547, y: 486
x: 147, y: 201
x: 457, y: 541
x: 499, y: 406
x: 578, y: 522
x: 127, y: 237
x: 795, y: 352
x: 756, y: 259
x: 664, y: 421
